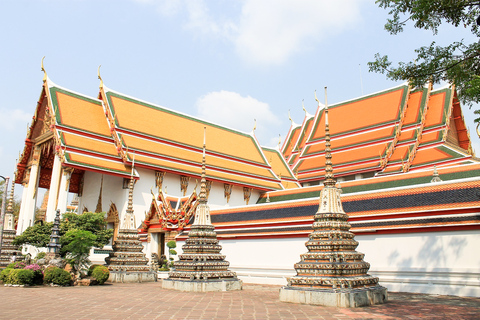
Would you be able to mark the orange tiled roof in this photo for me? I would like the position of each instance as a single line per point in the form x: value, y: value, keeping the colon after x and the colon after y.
x: 171, y: 141
x: 83, y: 133
x: 384, y: 133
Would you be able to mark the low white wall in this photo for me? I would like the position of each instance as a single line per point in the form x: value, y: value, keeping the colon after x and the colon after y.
x: 436, y: 263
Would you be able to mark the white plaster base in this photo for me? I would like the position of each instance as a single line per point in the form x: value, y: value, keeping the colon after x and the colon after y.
x: 132, y: 277
x: 202, y: 286
x: 343, y: 298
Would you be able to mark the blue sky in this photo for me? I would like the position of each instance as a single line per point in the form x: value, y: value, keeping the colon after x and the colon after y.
x: 229, y: 62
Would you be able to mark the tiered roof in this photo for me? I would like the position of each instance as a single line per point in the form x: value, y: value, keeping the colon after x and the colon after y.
x: 163, y: 138
x: 104, y: 134
x: 392, y: 131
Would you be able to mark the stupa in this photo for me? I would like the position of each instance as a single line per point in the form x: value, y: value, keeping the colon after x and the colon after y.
x: 54, y: 246
x: 332, y: 273
x: 8, y: 249
x: 201, y: 267
x: 127, y: 262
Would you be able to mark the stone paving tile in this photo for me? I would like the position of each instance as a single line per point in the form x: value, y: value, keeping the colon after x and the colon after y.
x: 150, y: 301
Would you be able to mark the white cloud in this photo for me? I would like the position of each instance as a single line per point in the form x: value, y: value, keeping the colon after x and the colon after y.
x: 230, y: 109
x: 267, y: 31
x: 11, y: 119
x: 272, y: 31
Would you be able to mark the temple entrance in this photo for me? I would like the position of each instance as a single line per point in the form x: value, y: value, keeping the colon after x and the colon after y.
x: 161, y: 244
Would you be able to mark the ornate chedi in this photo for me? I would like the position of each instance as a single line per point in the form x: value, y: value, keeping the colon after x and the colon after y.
x: 8, y: 249
x: 53, y: 247
x: 201, y: 267
x: 127, y: 262
x: 332, y: 273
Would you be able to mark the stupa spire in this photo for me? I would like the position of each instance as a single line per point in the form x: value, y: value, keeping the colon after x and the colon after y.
x: 203, y: 182
x: 202, y: 212
x: 329, y: 180
x: 9, y: 220
x: 129, y: 220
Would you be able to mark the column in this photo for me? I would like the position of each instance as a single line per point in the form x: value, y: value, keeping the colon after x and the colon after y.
x: 63, y: 191
x: 21, y: 214
x: 31, y: 197
x: 54, y: 186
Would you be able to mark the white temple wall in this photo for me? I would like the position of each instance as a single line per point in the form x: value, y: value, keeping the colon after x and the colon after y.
x: 435, y: 263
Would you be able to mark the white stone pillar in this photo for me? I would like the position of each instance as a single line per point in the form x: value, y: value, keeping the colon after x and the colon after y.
x: 31, y: 194
x: 21, y: 214
x: 54, y: 186
x: 63, y: 191
x: 30, y: 201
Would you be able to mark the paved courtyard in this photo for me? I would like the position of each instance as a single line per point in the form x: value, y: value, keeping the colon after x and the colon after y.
x: 150, y: 301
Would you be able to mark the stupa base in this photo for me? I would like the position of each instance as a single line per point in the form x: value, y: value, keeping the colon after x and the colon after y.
x: 132, y: 277
x: 344, y: 298
x: 203, y: 285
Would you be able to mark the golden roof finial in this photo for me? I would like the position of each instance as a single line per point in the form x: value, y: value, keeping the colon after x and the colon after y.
x: 303, y: 107
x: 255, y: 125
x: 44, y: 72
x: 316, y: 99
x: 279, y: 140
x: 289, y: 117
x: 99, y: 77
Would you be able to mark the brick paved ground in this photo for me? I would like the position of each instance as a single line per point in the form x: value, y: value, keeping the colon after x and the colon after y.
x: 150, y: 301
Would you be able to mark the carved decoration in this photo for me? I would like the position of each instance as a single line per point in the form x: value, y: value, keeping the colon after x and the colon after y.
x: 99, y: 202
x: 247, y: 192
x: 227, y: 190
x: 184, y: 184
x: 159, y: 180
x: 208, y: 187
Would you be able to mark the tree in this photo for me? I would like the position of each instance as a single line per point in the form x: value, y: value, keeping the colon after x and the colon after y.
x: 457, y: 63
x: 88, y: 221
x: 39, y: 234
x: 76, y: 245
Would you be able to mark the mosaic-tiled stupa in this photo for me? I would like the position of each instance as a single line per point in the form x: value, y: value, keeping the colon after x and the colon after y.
x: 8, y: 249
x: 332, y: 273
x: 127, y: 262
x: 202, y: 267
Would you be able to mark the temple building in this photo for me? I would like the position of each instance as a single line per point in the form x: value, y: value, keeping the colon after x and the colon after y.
x: 418, y: 235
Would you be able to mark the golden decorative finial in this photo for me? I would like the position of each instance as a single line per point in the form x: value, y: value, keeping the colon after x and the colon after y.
x: 99, y: 77
x: 44, y: 72
x: 151, y: 191
x: 290, y: 118
x: 255, y: 125
x: 316, y: 99
x: 303, y: 107
x: 279, y: 140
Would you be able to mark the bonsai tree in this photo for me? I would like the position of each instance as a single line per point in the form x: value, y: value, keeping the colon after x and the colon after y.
x: 171, y: 252
x: 76, y: 245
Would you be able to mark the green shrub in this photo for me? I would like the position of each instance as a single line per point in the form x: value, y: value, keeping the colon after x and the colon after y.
x: 164, y: 268
x: 40, y: 255
x: 17, y: 265
x: 23, y: 276
x: 5, y: 274
x: 90, y: 270
x: 101, y: 274
x: 58, y: 276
